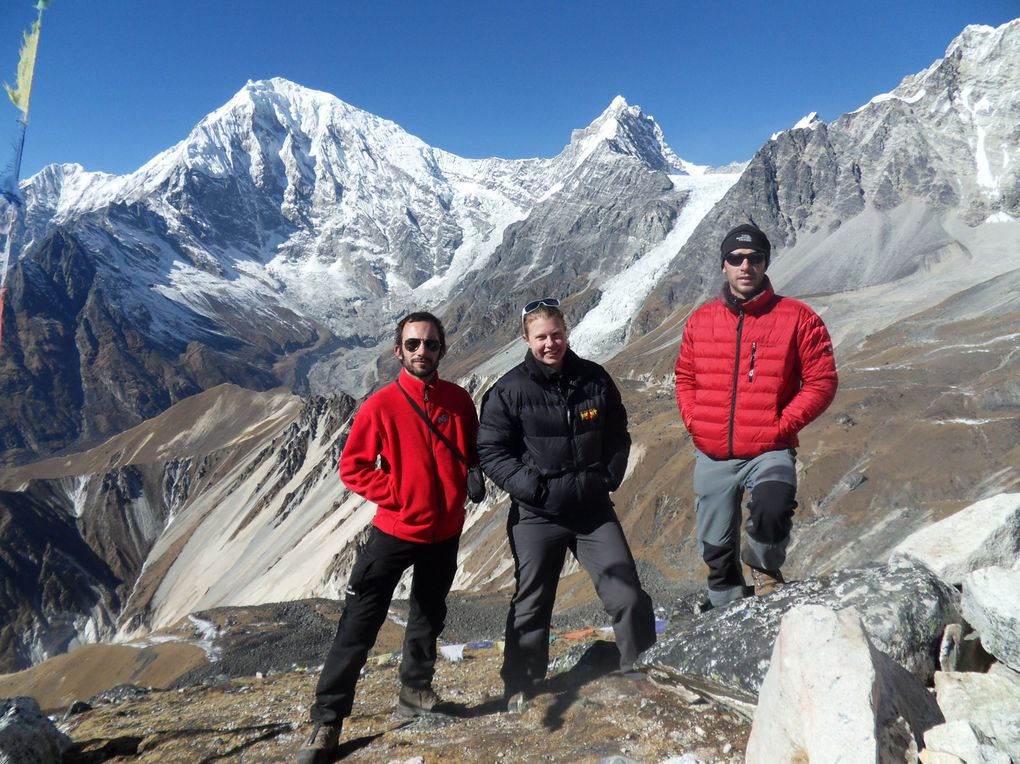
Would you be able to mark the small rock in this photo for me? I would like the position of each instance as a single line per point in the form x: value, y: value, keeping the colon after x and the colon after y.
x: 119, y: 694
x: 989, y: 702
x: 937, y: 757
x: 991, y: 603
x: 959, y: 739
x: 27, y: 736
x: 960, y: 652
x: 78, y: 707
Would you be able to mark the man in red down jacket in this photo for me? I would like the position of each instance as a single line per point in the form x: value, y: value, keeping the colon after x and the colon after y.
x: 754, y: 369
x: 416, y: 474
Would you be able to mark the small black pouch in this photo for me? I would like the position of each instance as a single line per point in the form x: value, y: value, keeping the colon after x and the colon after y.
x: 475, y: 484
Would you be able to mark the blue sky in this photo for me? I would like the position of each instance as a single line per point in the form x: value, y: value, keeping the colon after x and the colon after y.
x: 117, y: 81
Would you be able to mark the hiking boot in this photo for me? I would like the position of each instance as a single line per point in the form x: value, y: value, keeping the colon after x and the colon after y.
x: 628, y: 671
x: 415, y: 701
x: 767, y: 581
x: 517, y: 702
x: 321, y: 744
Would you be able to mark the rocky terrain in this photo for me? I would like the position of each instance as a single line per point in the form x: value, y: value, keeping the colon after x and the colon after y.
x: 825, y: 668
x: 250, y: 704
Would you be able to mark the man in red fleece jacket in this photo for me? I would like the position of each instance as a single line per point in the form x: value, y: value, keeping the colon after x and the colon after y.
x: 416, y: 474
x: 754, y: 369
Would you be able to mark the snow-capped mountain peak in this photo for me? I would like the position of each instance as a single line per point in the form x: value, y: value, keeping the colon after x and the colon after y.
x: 978, y: 42
x: 625, y: 129
x: 809, y: 122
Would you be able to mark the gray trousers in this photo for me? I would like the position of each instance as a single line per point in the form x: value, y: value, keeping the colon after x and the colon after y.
x: 539, y: 546
x: 771, y: 479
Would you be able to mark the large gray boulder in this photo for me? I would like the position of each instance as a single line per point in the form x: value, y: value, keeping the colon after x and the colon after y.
x: 989, y: 702
x: 725, y: 652
x: 983, y: 534
x: 991, y: 604
x: 829, y: 695
x: 27, y: 736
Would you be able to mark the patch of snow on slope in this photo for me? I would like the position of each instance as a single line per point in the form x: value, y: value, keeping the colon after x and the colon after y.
x: 985, y: 176
x: 207, y: 630
x: 1000, y: 217
x: 602, y: 331
x: 606, y: 132
x: 808, y: 122
x: 478, y: 244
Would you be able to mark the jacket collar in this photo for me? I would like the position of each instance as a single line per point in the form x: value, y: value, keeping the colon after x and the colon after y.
x: 413, y: 385
x: 756, y: 305
x: 546, y: 375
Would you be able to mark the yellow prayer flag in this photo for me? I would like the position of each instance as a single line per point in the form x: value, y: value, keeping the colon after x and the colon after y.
x: 22, y: 92
x: 26, y: 66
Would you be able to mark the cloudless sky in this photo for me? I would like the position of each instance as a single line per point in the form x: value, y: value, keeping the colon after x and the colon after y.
x: 117, y: 81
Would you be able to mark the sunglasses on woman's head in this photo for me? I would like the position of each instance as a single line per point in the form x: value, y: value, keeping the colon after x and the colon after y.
x: 547, y: 302
x: 412, y: 344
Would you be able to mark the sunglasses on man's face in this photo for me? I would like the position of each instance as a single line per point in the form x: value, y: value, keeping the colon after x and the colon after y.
x: 547, y: 302
x: 412, y: 344
x: 754, y: 260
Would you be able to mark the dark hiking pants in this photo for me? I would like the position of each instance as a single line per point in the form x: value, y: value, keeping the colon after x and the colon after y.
x: 376, y: 574
x: 539, y: 546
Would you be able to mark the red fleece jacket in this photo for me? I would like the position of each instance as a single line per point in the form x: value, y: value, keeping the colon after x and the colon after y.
x: 395, y: 460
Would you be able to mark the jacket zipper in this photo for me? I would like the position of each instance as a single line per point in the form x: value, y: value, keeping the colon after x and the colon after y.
x: 736, y: 379
x: 568, y: 415
x: 435, y: 467
x: 573, y: 443
x: 750, y: 371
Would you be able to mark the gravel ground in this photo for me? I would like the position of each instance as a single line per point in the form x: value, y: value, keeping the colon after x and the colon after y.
x: 283, y: 636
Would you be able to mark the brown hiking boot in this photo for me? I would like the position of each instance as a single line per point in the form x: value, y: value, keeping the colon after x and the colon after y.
x: 767, y: 581
x: 415, y: 701
x: 321, y: 744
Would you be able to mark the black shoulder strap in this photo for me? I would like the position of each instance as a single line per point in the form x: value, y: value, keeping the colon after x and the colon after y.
x: 449, y: 443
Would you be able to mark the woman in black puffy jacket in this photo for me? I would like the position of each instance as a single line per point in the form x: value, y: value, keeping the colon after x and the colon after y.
x: 554, y: 436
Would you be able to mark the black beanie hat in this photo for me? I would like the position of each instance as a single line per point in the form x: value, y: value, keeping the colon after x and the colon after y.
x: 746, y: 236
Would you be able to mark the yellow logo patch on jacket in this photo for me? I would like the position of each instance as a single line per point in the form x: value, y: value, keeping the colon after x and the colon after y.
x: 589, y: 415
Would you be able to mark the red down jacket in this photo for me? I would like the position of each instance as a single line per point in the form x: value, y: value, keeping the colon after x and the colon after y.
x: 392, y: 458
x: 750, y: 375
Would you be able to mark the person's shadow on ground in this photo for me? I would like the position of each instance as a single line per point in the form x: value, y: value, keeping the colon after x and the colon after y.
x: 600, y: 659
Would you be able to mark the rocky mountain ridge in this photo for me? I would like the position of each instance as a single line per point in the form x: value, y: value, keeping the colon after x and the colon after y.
x: 273, y: 245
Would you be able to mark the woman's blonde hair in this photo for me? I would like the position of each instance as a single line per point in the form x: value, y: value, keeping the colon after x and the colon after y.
x: 547, y: 312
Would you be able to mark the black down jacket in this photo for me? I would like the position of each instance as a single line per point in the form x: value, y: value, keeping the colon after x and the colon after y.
x: 556, y: 442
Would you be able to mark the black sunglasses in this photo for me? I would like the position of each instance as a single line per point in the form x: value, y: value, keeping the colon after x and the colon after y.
x: 756, y: 259
x: 412, y: 344
x: 548, y: 302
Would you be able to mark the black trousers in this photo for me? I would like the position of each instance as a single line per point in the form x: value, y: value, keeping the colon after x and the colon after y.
x: 376, y: 574
x: 539, y: 546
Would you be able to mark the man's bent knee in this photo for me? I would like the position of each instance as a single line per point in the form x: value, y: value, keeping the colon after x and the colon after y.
x: 771, y: 511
